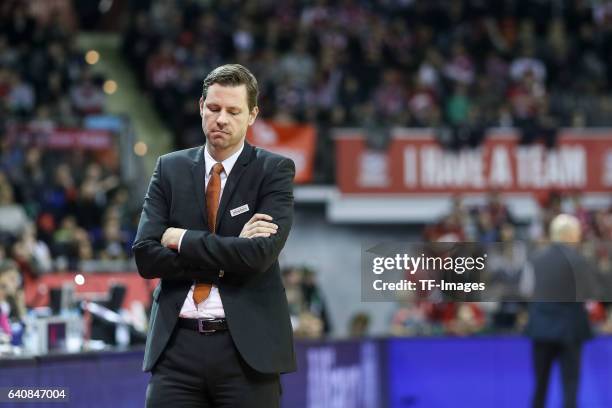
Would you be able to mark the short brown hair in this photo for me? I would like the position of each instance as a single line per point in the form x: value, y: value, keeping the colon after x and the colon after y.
x: 233, y: 75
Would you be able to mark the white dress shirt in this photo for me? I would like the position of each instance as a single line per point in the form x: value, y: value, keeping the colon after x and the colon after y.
x: 211, y: 307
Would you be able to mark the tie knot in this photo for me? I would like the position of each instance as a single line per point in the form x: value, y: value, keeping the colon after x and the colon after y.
x: 217, y: 168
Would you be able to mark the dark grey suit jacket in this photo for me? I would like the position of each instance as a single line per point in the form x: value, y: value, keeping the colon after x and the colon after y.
x: 561, y: 274
x: 245, y: 270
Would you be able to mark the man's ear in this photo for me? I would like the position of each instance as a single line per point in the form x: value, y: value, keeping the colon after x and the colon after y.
x: 201, y: 104
x: 253, y: 115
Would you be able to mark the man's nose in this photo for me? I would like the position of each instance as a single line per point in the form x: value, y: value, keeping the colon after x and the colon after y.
x: 222, y: 118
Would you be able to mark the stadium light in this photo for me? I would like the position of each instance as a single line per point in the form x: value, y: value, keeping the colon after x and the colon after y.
x: 92, y: 57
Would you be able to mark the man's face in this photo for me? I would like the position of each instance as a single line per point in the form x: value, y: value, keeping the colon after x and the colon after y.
x: 576, y: 234
x: 226, y: 116
x: 10, y: 281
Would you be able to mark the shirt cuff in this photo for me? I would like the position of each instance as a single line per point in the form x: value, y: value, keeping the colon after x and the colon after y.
x: 181, y: 240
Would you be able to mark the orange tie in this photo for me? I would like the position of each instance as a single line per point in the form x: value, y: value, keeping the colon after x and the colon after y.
x: 213, y: 191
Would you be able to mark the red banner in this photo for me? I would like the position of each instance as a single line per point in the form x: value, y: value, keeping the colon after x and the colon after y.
x: 62, y: 138
x: 79, y: 139
x: 415, y: 163
x: 296, y: 142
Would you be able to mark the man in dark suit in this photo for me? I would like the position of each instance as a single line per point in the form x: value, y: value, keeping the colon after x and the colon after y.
x: 558, y: 322
x: 214, y: 221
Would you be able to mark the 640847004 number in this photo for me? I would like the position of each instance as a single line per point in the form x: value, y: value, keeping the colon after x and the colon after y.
x: 16, y: 394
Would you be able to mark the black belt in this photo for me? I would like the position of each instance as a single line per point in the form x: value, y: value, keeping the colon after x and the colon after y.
x: 204, y: 326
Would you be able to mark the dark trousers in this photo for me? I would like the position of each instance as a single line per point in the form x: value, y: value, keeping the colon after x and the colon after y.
x: 205, y: 371
x: 544, y: 354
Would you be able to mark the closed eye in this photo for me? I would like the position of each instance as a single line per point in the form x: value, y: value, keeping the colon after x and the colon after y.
x: 214, y: 108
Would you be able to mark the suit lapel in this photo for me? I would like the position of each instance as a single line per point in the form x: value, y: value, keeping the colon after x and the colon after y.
x: 197, y: 172
x: 233, y: 179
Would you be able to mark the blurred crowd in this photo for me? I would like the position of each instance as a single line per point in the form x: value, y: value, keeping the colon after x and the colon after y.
x: 427, y: 314
x: 512, y: 242
x: 307, y: 307
x: 44, y: 79
x: 58, y: 208
x: 459, y: 65
x: 493, y: 222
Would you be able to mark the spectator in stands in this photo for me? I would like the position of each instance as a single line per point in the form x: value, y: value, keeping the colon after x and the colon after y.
x: 423, y: 107
x: 527, y: 65
x: 458, y: 106
x: 314, y: 299
x: 359, y: 325
x: 390, y: 99
x: 60, y: 196
x: 487, y: 232
x: 8, y: 55
x: 87, y: 96
x: 15, y: 305
x: 505, y: 264
x: 292, y: 281
x: 449, y: 229
x: 306, y: 305
x: 119, y: 205
x: 5, y: 325
x: 578, y: 210
x: 603, y: 224
x: 511, y: 254
x: 460, y: 67
x: 298, y: 66
x: 12, y: 303
x: 30, y: 180
x: 113, y: 243
x: 310, y: 326
x: 11, y: 281
x: 32, y: 253
x: 498, y: 210
x: 21, y: 99
x: 13, y: 218
x: 412, y: 318
x: 549, y: 207
x: 43, y: 122
x: 163, y: 70
x: 85, y: 251
x: 89, y: 204
x: 66, y: 242
x: 463, y: 319
x: 428, y: 74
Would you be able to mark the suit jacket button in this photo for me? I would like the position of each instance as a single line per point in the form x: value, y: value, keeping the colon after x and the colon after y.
x: 221, y: 273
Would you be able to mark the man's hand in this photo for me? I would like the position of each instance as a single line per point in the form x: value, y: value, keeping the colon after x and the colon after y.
x: 258, y: 226
x: 171, y: 237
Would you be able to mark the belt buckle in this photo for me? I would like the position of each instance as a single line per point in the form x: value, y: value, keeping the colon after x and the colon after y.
x: 201, y: 328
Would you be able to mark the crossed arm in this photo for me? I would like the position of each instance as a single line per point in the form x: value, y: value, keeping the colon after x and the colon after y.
x: 203, y: 254
x: 258, y: 226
